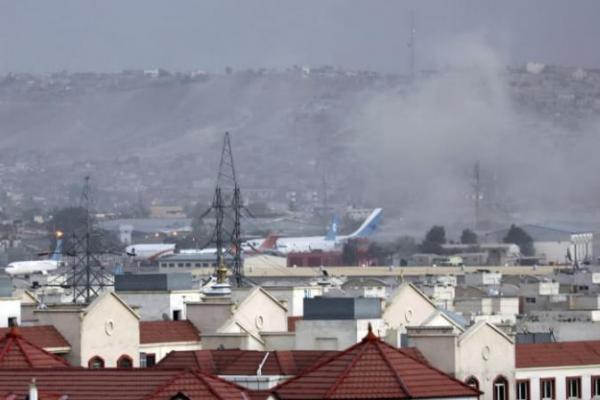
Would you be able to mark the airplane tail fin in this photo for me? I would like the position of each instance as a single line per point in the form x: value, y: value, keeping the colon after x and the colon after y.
x: 268, y: 243
x: 369, y: 225
x: 332, y: 232
x: 57, y: 254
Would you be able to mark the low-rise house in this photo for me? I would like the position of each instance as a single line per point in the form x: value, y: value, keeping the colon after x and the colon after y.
x: 104, y: 333
x: 569, y: 370
x: 494, y: 309
x: 406, y: 306
x: 335, y: 323
x: 241, y: 320
x: 158, y: 296
x: 481, y: 356
x: 372, y: 369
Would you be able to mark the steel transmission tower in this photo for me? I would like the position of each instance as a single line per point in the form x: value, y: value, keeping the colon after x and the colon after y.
x: 87, y: 276
x: 227, y: 206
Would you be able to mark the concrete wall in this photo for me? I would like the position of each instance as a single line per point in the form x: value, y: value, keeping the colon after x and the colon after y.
x: 153, y: 305
x: 334, y: 334
x: 294, y: 296
x: 109, y: 330
x: 486, y: 354
x: 261, y: 313
x: 438, y: 348
x: 407, y: 308
x: 9, y: 308
x: 279, y: 340
x: 209, y: 316
x: 552, y: 252
x: 68, y: 323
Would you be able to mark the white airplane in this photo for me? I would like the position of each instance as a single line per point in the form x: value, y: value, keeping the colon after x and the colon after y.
x: 37, y: 266
x: 324, y: 243
x: 150, y: 251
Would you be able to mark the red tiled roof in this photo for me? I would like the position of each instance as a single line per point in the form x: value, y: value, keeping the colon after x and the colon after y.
x: 44, y: 336
x: 372, y: 369
x: 18, y: 352
x: 557, y: 354
x: 168, y: 332
x: 121, y: 384
x: 245, y: 362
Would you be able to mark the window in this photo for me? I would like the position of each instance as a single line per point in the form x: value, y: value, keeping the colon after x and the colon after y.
x: 595, y: 386
x: 96, y: 362
x: 171, y: 265
x: 150, y: 360
x: 12, y: 321
x: 180, y: 396
x: 473, y: 382
x: 176, y: 315
x: 124, y: 362
x: 500, y: 388
x: 523, y: 390
x: 547, y: 389
x: 530, y: 299
x: 574, y: 388
x: 188, y: 265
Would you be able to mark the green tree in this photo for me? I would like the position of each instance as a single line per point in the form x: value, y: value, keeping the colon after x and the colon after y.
x: 518, y: 236
x: 434, y: 239
x: 468, y: 237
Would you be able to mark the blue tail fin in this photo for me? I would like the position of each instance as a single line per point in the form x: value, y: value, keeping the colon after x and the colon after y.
x: 370, y: 224
x: 332, y: 231
x: 57, y: 254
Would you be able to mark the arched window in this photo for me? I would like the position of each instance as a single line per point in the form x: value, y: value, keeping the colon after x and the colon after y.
x: 473, y: 382
x: 96, y: 362
x: 124, y: 362
x: 500, y: 388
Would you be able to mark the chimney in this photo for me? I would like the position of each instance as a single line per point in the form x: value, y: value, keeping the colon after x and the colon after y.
x: 33, y: 392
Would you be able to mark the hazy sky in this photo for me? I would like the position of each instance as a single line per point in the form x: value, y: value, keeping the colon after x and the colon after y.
x: 111, y: 35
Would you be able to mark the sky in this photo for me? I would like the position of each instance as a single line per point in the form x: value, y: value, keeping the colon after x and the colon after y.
x: 111, y: 35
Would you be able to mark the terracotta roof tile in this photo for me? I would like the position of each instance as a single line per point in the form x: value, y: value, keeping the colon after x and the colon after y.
x: 168, y: 332
x: 372, y: 369
x: 17, y: 352
x: 128, y: 384
x: 557, y: 354
x: 245, y: 362
x: 44, y: 336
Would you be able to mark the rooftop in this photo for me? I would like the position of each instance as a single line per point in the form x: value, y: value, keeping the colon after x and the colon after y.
x: 168, y: 332
x: 375, y: 370
x: 558, y: 354
x: 121, y: 384
x: 44, y: 336
x: 18, y: 352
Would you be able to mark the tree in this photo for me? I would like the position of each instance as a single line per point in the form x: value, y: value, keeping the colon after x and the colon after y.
x: 518, y: 236
x: 468, y: 237
x: 434, y: 239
